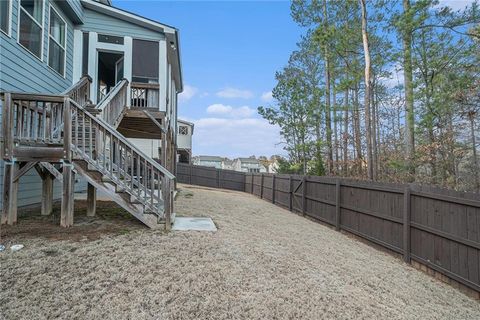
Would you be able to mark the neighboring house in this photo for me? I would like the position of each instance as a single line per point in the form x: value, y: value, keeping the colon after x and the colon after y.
x: 134, y: 70
x: 227, y: 164
x: 208, y: 161
x: 184, y: 141
x: 248, y: 165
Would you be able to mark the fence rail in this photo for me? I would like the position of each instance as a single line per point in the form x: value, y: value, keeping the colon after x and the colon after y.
x: 432, y: 226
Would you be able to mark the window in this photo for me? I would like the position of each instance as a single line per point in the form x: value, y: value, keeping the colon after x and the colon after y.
x: 56, y: 42
x: 110, y: 39
x: 5, y: 12
x: 31, y: 26
x: 145, y: 61
x: 253, y: 170
x: 183, y: 130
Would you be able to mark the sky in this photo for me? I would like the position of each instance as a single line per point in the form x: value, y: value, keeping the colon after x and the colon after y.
x: 230, y: 51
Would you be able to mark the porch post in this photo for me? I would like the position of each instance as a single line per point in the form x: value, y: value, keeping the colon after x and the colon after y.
x: 10, y: 190
x: 47, y: 194
x: 91, y: 200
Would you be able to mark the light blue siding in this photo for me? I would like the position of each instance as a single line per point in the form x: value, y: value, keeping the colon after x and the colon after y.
x: 21, y: 71
x: 76, y: 6
x: 101, y: 23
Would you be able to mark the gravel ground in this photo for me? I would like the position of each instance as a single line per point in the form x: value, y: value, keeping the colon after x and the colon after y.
x: 263, y: 263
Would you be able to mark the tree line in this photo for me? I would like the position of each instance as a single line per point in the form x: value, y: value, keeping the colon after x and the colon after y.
x: 383, y: 90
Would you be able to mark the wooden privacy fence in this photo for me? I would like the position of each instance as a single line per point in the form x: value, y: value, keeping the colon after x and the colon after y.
x: 434, y: 227
x: 210, y: 177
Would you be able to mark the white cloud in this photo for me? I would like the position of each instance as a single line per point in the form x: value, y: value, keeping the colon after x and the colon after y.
x: 455, y: 4
x: 229, y: 111
x: 188, y: 93
x: 235, y: 93
x: 267, y: 96
x: 236, y: 137
x: 396, y: 77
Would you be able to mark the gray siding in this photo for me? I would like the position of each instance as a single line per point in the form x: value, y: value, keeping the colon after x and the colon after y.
x: 101, y: 23
x: 23, y: 72
x: 76, y: 6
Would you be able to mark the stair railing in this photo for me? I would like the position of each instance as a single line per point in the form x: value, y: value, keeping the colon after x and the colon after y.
x: 121, y: 161
x: 80, y: 91
x: 113, y: 105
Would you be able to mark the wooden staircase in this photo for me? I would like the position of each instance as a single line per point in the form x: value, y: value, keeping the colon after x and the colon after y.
x: 41, y: 129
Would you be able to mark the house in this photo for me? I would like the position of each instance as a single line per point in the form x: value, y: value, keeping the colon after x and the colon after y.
x: 184, y: 141
x: 208, y: 161
x: 248, y: 165
x: 79, y: 78
x: 227, y: 164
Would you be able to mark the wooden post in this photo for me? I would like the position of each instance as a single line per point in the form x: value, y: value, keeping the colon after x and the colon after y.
x: 167, y: 202
x: 47, y: 194
x: 253, y: 178
x: 91, y: 200
x: 290, y: 195
x: 304, y: 195
x: 218, y: 178
x: 261, y: 187
x: 406, y: 223
x: 273, y: 189
x: 337, y: 205
x: 10, y: 190
x: 66, y: 214
x: 190, y: 177
x: 7, y: 128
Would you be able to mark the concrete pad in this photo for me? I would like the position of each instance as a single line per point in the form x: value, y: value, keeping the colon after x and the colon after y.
x: 194, y: 224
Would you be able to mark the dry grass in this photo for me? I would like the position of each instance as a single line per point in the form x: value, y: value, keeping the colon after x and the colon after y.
x: 263, y: 263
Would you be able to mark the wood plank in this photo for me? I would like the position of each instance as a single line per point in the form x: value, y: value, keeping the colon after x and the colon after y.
x: 47, y: 194
x: 10, y: 190
x: 91, y: 200
x: 66, y: 214
x: 406, y: 224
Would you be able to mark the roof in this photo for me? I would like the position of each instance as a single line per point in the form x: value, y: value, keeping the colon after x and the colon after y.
x: 249, y: 160
x: 171, y: 33
x: 209, y: 158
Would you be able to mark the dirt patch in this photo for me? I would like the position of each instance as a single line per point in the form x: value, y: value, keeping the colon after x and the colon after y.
x: 263, y: 263
x: 110, y: 219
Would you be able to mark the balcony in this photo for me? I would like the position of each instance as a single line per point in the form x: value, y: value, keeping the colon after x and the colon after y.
x: 145, y: 95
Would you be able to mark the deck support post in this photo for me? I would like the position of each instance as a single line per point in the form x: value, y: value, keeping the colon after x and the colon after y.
x: 10, y: 191
x: 91, y: 200
x: 66, y: 215
x: 47, y: 194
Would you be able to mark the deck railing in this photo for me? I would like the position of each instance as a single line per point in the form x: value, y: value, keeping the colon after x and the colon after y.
x: 114, y: 104
x: 80, y: 91
x: 144, y: 95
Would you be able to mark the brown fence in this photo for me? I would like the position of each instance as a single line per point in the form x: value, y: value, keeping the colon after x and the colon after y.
x: 210, y: 177
x: 435, y: 227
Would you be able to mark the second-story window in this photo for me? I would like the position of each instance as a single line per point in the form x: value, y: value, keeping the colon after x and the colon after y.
x: 183, y: 130
x: 56, y: 42
x: 31, y: 26
x: 5, y: 16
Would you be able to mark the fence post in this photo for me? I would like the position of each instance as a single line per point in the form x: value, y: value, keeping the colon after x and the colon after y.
x: 251, y: 185
x: 190, y: 176
x: 304, y: 195
x: 290, y: 191
x: 218, y: 178
x: 261, y: 187
x: 337, y: 205
x: 406, y: 223
x: 273, y: 189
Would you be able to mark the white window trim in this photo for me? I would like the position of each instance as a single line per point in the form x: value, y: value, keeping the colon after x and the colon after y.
x: 9, y: 28
x: 41, y: 25
x: 66, y: 40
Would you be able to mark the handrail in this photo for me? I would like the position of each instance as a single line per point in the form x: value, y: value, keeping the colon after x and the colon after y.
x: 144, y: 95
x: 80, y: 91
x: 114, y: 103
x: 83, y: 81
x: 121, y: 138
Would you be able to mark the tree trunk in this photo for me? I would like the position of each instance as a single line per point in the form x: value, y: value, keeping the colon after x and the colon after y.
x: 345, y: 135
x: 471, y: 117
x: 328, y: 121
x: 356, y: 124
x: 408, y: 82
x: 368, y: 88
